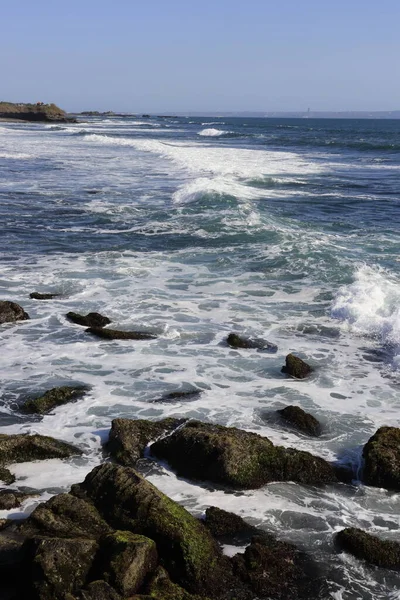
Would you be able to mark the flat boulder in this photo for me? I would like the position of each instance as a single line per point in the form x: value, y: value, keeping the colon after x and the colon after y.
x: 53, y: 398
x: 92, y: 319
x: 296, y: 367
x: 116, y: 334
x: 129, y: 438
x: 185, y: 547
x: 235, y: 340
x: 179, y: 396
x: 382, y: 459
x: 363, y: 545
x: 43, y: 296
x: 301, y: 420
x: 26, y: 448
x: 237, y: 458
x: 11, y: 312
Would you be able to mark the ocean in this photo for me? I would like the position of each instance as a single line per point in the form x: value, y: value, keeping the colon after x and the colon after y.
x: 191, y: 228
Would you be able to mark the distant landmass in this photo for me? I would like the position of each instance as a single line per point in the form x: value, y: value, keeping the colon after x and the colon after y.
x: 394, y: 114
x: 33, y: 112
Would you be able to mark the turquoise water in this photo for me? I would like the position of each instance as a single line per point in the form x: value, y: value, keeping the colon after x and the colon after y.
x: 191, y: 228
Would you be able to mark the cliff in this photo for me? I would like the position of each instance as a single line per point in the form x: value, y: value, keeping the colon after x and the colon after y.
x: 34, y: 112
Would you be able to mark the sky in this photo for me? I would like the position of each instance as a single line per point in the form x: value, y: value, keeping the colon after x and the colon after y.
x: 214, y: 55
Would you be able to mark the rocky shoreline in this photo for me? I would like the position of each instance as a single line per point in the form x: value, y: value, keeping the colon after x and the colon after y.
x: 39, y: 112
x: 115, y: 536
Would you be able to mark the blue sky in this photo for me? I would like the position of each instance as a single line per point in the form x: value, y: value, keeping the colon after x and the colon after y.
x: 202, y: 56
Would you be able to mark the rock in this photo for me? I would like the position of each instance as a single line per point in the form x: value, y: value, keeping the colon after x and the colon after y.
x: 90, y: 320
x: 304, y: 422
x: 179, y: 395
x: 128, y: 438
x: 161, y: 587
x: 40, y: 296
x: 236, y: 341
x: 115, y: 334
x: 11, y: 312
x: 12, y: 499
x: 11, y: 550
x: 277, y: 570
x: 67, y: 516
x: 186, y: 549
x: 222, y: 523
x: 24, y: 448
x: 296, y: 367
x: 127, y: 560
x: 382, y: 553
x: 99, y: 590
x: 6, y: 476
x: 59, y: 566
x: 34, y: 112
x: 382, y: 459
x: 237, y: 458
x: 54, y: 397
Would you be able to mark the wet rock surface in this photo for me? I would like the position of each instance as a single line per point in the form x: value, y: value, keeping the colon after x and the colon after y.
x: 53, y: 398
x: 382, y: 459
x: 6, y: 476
x: 11, y: 312
x: 300, y: 420
x: 24, y: 448
x: 90, y: 320
x: 296, y: 367
x: 179, y: 395
x: 237, y: 458
x: 43, y: 296
x: 116, y: 334
x: 235, y: 340
x: 363, y: 545
x: 12, y: 499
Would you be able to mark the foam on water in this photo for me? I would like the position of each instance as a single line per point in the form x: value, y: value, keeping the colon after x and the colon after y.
x: 212, y: 132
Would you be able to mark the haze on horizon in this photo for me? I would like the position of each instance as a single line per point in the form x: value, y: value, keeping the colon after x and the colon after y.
x: 206, y: 56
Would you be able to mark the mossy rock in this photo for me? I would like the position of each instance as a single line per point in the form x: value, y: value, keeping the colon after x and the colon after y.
x: 301, y: 420
x: 296, y: 367
x: 99, y: 590
x: 240, y: 459
x: 11, y: 312
x: 235, y: 340
x: 13, y: 499
x: 161, y: 587
x: 179, y: 395
x: 6, y: 476
x: 129, y: 438
x: 363, y: 545
x: 185, y: 547
x: 25, y: 448
x: 55, y: 397
x: 65, y: 516
x: 127, y: 560
x: 222, y: 523
x: 382, y: 459
x: 93, y: 319
x: 116, y: 334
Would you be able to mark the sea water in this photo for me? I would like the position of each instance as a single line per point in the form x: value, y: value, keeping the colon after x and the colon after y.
x: 193, y: 228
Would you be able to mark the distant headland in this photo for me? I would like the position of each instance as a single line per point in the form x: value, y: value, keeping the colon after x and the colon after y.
x: 33, y: 112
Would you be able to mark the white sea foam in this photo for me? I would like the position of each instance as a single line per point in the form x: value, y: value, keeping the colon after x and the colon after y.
x: 212, y: 132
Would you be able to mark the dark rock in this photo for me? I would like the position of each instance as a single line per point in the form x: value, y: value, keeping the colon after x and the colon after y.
x: 237, y: 341
x: 34, y: 112
x: 179, y: 395
x: 115, y: 334
x: 222, y: 523
x: 11, y: 312
x: 40, y: 296
x: 65, y: 516
x: 54, y: 397
x: 128, y: 439
x: 382, y: 553
x: 304, y: 422
x: 237, y: 458
x: 6, y: 476
x: 12, y: 499
x: 382, y: 459
x: 11, y: 550
x: 59, y: 566
x: 128, y: 559
x: 296, y: 367
x: 99, y: 590
x: 90, y: 320
x: 161, y: 587
x: 277, y: 570
x: 185, y: 547
x: 24, y: 448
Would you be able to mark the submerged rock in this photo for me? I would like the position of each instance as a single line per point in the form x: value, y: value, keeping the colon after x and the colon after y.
x: 382, y: 459
x: 382, y: 553
x: 24, y: 447
x: 90, y: 320
x: 185, y: 547
x: 12, y: 499
x: 237, y: 341
x: 11, y: 312
x: 40, y: 296
x: 237, y: 458
x: 301, y: 420
x: 54, y: 397
x: 296, y: 367
x: 128, y: 439
x: 179, y: 395
x: 115, y: 334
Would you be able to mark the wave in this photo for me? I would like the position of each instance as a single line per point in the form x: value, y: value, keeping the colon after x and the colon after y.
x: 370, y: 306
x: 211, y: 132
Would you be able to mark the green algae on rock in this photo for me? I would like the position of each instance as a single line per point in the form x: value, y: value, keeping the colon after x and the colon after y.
x: 25, y: 448
x: 363, y: 545
x: 382, y: 459
x: 239, y: 341
x: 53, y: 398
x: 296, y: 367
x: 301, y: 420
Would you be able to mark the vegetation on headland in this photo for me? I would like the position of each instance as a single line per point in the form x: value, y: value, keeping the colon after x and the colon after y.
x: 33, y: 112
